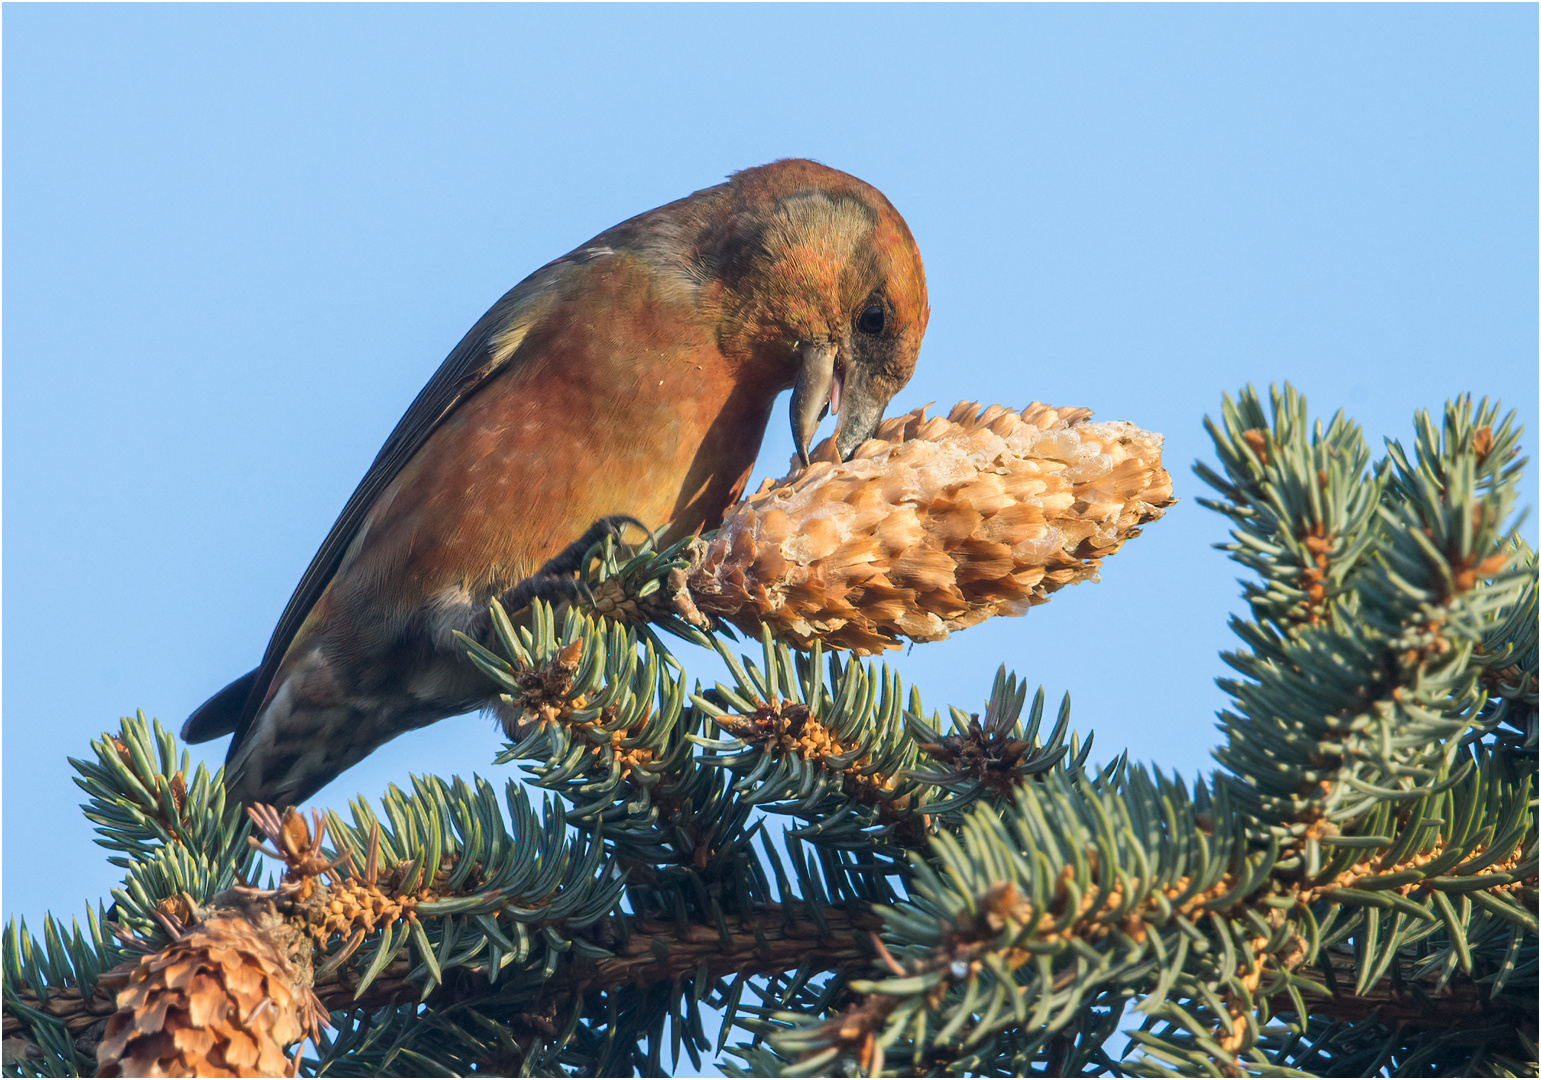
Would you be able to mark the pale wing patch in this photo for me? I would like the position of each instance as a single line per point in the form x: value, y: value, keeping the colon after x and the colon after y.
x: 506, y: 341
x: 547, y: 280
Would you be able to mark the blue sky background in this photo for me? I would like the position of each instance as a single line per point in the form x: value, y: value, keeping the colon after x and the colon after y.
x: 238, y: 239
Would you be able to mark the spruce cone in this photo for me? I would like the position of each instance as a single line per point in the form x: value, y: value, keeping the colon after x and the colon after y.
x: 932, y: 526
x: 219, y: 1001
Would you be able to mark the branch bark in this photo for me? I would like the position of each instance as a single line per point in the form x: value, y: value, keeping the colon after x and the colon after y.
x: 655, y: 950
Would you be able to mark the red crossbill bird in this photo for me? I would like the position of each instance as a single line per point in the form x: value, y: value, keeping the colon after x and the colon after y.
x: 629, y: 379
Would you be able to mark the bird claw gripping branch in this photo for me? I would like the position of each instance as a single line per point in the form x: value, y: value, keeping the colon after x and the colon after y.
x: 559, y: 580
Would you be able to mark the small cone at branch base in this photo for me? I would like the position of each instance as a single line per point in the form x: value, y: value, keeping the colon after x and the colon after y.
x: 220, y: 1001
x: 933, y: 525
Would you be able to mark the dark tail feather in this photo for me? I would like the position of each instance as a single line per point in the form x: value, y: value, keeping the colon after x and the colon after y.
x: 221, y: 713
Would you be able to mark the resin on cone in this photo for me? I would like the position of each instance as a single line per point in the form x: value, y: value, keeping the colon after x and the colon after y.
x: 932, y: 525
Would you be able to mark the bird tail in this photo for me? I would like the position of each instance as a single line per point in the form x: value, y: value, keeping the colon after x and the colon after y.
x: 221, y: 714
x: 292, y: 750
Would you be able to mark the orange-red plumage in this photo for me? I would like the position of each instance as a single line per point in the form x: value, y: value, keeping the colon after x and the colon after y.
x: 633, y: 376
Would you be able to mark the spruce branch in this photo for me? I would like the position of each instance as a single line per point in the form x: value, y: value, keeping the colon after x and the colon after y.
x: 1303, y: 500
x: 1353, y: 892
x: 1397, y: 770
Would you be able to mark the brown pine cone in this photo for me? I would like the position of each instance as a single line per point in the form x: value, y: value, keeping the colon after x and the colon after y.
x: 219, y: 1001
x: 933, y: 525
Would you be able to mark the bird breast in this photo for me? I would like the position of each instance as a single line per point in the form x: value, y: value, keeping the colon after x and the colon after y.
x: 633, y: 411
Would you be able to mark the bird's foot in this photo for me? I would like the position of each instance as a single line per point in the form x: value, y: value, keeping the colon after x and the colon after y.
x: 553, y: 587
x: 572, y: 558
x: 620, y: 594
x: 555, y: 582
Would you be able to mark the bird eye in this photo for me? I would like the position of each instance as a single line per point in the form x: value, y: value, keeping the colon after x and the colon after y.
x: 870, y: 321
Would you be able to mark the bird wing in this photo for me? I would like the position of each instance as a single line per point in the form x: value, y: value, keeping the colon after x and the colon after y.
x: 488, y: 348
x: 491, y: 346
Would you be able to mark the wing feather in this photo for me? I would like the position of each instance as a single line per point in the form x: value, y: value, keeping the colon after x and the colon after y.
x: 489, y: 347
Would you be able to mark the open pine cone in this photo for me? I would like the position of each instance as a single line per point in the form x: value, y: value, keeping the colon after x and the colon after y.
x: 933, y: 525
x: 219, y: 1001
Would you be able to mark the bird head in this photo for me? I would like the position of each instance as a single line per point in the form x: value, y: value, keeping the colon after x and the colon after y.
x: 824, y: 288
